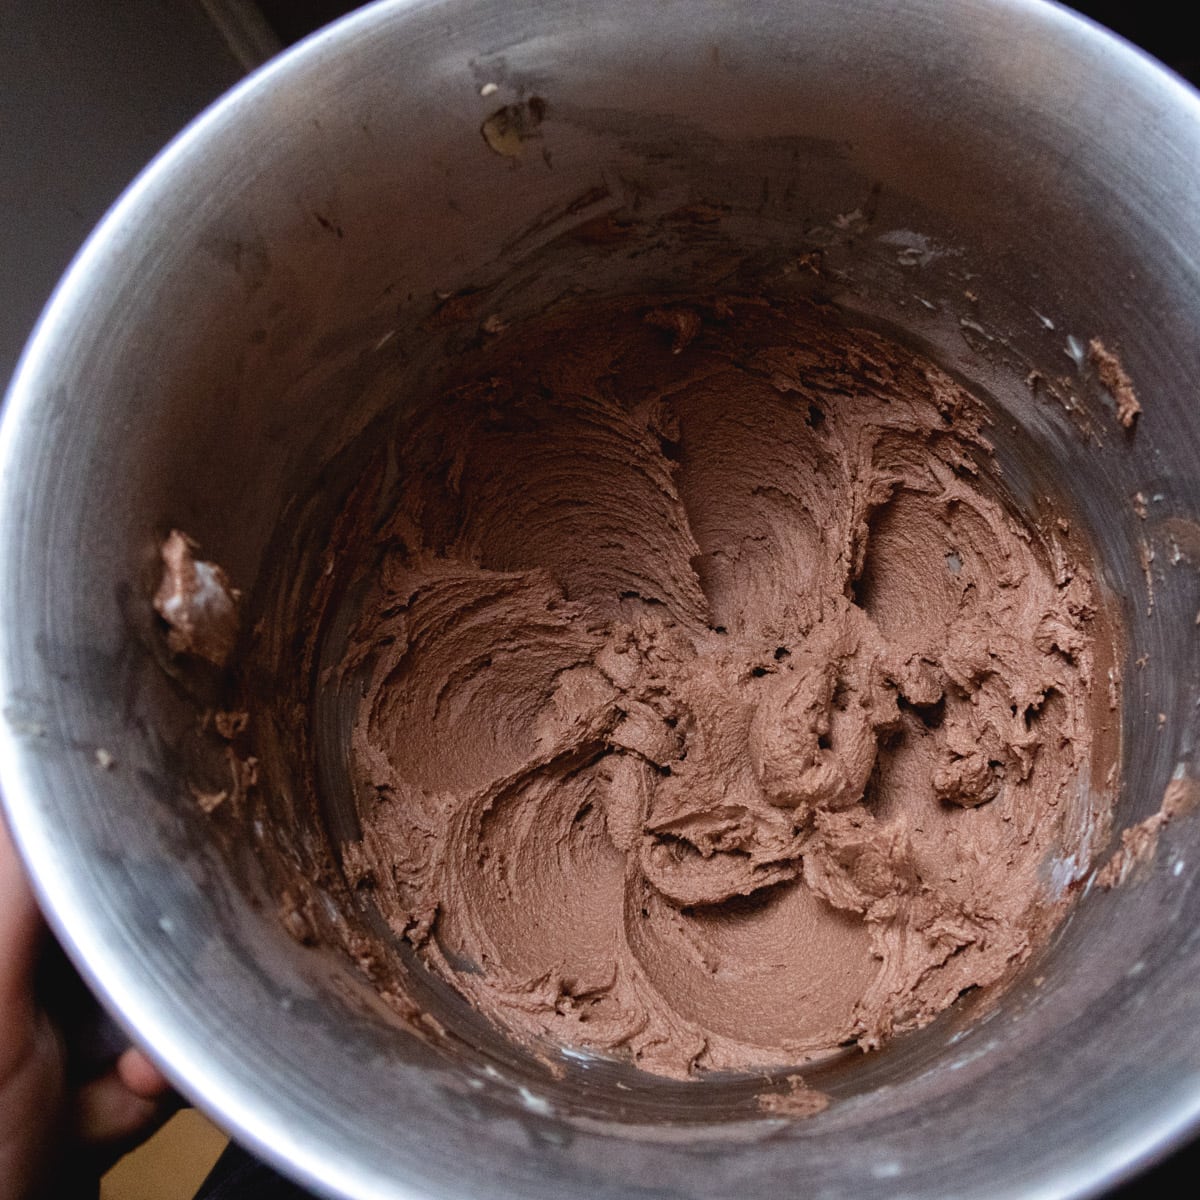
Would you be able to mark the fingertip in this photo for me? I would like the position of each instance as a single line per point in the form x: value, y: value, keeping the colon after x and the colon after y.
x: 107, y: 1111
x: 140, y: 1075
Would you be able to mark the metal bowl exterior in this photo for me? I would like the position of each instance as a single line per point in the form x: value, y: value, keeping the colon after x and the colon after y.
x: 224, y: 332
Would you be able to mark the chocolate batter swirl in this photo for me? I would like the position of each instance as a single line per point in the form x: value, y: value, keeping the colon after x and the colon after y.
x: 720, y: 711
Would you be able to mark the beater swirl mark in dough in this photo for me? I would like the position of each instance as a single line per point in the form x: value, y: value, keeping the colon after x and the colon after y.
x: 719, y: 709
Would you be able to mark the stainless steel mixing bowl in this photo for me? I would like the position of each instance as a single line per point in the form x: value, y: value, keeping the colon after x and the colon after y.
x: 999, y: 181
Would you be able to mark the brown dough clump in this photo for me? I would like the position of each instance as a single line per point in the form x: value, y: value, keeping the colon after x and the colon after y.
x: 719, y: 711
x: 197, y: 601
x: 1116, y: 379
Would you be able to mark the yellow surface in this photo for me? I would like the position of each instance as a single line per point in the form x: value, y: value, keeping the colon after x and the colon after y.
x: 171, y: 1165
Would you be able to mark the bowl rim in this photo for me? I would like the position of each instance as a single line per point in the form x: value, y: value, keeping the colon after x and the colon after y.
x: 237, y: 1107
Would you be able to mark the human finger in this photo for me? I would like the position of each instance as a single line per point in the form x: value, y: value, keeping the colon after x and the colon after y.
x: 20, y: 928
x: 140, y: 1075
x: 107, y: 1111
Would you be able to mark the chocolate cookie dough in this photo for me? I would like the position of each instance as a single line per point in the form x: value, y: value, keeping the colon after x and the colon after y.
x: 718, y: 708
x: 197, y: 602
